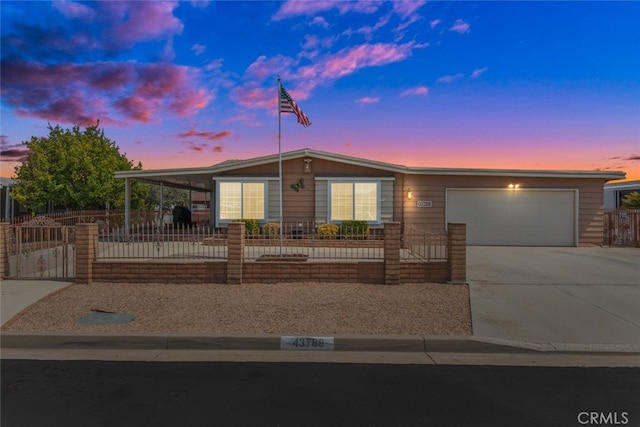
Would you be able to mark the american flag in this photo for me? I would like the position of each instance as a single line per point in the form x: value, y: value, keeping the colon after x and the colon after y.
x: 288, y: 105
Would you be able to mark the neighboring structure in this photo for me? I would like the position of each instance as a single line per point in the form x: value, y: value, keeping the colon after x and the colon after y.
x: 499, y: 206
x: 8, y: 207
x: 614, y: 193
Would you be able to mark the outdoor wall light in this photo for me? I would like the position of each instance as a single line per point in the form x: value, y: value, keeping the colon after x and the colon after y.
x: 514, y: 186
x: 409, y: 194
x: 307, y: 165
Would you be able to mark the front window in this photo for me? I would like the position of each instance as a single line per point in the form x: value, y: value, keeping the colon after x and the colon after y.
x: 242, y: 200
x: 354, y: 201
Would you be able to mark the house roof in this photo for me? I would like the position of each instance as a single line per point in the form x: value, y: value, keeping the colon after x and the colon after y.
x: 201, y: 178
x: 626, y: 185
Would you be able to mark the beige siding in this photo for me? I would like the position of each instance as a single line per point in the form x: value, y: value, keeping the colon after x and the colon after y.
x: 310, y: 203
x: 433, y: 188
x: 273, y: 197
x: 322, y: 197
x: 386, y: 201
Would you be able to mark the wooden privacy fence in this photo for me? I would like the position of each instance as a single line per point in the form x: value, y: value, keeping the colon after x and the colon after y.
x: 622, y: 227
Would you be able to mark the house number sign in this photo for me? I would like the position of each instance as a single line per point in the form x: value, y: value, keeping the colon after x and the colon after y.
x: 424, y: 203
x: 306, y: 343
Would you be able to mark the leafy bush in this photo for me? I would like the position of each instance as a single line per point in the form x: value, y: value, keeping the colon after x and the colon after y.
x: 631, y: 200
x: 354, y: 229
x: 271, y: 229
x: 251, y: 226
x: 328, y: 231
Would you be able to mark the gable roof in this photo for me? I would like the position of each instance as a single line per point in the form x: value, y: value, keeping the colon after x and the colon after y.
x: 201, y: 178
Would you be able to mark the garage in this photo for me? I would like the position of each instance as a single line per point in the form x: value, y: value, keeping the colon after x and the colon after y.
x: 515, y: 217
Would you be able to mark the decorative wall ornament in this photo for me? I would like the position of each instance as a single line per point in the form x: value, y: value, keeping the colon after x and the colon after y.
x: 298, y: 185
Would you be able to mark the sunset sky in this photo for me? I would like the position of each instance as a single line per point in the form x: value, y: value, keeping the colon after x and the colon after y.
x: 529, y: 84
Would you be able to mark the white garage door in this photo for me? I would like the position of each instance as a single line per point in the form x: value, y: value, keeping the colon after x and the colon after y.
x: 515, y: 217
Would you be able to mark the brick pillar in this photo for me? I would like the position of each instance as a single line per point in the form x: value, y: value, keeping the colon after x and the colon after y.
x: 4, y: 253
x: 457, y: 252
x: 86, y: 247
x: 235, y: 253
x: 392, y: 253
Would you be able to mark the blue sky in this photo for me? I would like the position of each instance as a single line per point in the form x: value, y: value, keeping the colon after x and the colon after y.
x: 532, y: 85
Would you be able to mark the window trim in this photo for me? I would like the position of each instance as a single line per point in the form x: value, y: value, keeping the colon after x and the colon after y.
x: 242, y: 180
x: 354, y: 181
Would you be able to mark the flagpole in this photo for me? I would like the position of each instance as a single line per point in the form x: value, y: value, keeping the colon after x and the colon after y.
x: 280, y: 157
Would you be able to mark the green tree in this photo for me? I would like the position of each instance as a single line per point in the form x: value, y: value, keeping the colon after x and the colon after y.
x: 74, y: 169
x: 170, y: 196
x: 631, y: 200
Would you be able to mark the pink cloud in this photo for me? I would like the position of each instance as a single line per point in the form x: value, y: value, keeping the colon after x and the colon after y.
x: 264, y: 67
x: 210, y: 136
x: 368, y: 100
x: 251, y: 95
x: 478, y: 72
x: 352, y: 59
x: 198, y: 49
x: 136, y: 108
x: 319, y: 21
x: 314, y: 42
x: 81, y: 94
x: 434, y: 23
x: 407, y: 8
x: 132, y: 22
x: 369, y: 31
x: 415, y: 91
x: 451, y: 78
x: 460, y: 27
x: 293, y: 8
x: 110, y: 76
x: 72, y: 9
x: 12, y: 152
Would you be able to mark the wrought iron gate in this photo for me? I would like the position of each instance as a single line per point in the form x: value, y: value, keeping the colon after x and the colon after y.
x: 41, y: 251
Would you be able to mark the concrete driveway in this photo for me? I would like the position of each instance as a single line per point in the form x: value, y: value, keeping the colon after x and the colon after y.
x: 555, y: 295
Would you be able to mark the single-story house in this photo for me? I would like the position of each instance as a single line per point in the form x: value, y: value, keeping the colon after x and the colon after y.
x: 614, y: 193
x: 500, y: 206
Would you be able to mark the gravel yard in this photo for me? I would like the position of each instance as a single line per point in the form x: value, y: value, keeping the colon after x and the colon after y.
x: 288, y: 308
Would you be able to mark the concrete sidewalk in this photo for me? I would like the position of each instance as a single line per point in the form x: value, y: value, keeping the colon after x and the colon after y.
x: 16, y: 295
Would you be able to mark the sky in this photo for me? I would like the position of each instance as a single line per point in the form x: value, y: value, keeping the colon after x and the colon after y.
x: 510, y: 85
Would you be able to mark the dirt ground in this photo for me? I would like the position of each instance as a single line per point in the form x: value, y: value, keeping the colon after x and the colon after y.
x: 287, y: 308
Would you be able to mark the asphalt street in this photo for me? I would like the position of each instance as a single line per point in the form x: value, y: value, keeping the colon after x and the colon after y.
x: 99, y: 393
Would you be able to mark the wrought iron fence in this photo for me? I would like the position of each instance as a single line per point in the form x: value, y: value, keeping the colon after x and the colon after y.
x: 305, y: 240
x: 153, y: 240
x: 421, y: 243
x: 43, y: 251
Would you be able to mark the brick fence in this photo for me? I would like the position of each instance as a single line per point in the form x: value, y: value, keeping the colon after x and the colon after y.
x: 235, y: 270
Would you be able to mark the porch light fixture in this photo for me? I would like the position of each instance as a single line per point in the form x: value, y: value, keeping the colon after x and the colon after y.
x: 409, y: 194
x: 513, y: 186
x: 307, y: 165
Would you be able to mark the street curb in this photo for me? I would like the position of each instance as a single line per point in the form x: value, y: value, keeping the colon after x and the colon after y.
x: 360, y: 343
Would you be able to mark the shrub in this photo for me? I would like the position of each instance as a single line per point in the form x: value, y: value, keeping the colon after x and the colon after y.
x: 631, y: 200
x: 328, y: 231
x: 354, y: 229
x: 251, y: 226
x: 271, y: 229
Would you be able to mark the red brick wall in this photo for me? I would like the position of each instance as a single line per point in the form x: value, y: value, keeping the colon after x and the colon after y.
x: 236, y: 271
x: 159, y: 272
